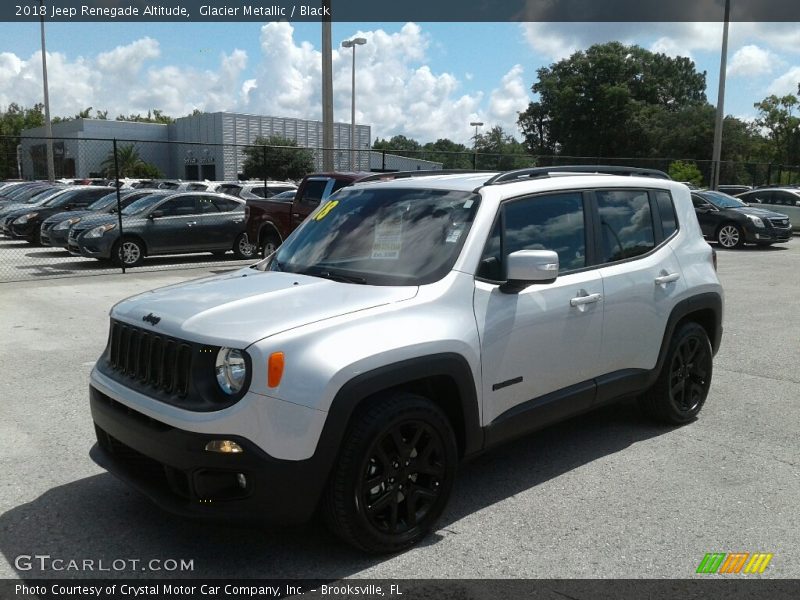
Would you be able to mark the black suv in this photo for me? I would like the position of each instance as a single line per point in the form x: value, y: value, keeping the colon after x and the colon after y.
x: 732, y: 223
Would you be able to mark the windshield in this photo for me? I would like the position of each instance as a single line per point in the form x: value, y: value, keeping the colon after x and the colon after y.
x: 143, y: 204
x: 721, y: 200
x: 380, y: 236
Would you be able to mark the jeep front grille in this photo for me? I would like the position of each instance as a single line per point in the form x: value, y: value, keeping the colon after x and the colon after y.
x: 152, y: 359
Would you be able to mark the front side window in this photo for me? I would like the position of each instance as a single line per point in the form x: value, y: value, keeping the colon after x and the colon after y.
x: 381, y: 236
x: 626, y: 224
x: 551, y: 222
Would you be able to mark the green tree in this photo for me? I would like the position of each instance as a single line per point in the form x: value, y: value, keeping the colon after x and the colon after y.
x: 153, y: 116
x: 499, y: 151
x: 130, y: 164
x: 451, y: 154
x: 685, y: 171
x: 277, y: 157
x: 776, y: 115
x: 589, y: 103
x: 13, y: 121
x: 400, y: 145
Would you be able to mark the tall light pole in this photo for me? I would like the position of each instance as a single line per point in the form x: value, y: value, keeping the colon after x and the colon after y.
x: 48, y: 126
x: 475, y: 124
x: 717, y: 151
x: 352, y: 44
x: 327, y: 91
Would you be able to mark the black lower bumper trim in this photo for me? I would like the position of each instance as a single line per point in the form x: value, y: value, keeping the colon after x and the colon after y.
x: 172, y: 468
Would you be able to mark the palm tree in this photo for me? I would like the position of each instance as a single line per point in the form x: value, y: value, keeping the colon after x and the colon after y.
x: 130, y: 163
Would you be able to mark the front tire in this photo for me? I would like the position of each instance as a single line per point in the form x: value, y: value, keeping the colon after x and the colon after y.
x: 682, y: 386
x: 394, y: 475
x: 730, y: 236
x: 128, y: 252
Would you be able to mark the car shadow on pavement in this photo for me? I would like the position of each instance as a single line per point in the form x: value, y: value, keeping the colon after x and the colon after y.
x: 98, y: 517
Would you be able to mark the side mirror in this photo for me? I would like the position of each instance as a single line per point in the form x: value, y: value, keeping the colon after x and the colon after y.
x: 155, y: 214
x: 797, y: 202
x: 525, y: 267
x: 703, y: 208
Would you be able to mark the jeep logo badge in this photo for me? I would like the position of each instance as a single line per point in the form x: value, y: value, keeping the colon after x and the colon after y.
x: 152, y: 319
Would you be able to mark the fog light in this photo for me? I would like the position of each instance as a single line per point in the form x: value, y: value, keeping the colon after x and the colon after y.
x: 241, y: 480
x: 224, y: 447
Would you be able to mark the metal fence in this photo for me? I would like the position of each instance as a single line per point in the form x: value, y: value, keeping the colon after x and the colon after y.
x: 37, y: 219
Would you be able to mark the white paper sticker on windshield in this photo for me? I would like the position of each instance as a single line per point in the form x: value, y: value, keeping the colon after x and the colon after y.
x: 453, y: 236
x: 388, y: 240
x: 468, y: 204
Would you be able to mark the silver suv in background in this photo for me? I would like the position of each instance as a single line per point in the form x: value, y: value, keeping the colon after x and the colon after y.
x: 405, y: 325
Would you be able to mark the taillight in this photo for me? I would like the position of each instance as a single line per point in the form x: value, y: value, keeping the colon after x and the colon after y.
x: 714, y: 258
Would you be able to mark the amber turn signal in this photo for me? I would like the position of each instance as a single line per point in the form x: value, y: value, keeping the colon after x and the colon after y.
x: 274, y: 369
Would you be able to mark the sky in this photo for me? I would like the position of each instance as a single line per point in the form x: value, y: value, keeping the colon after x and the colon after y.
x: 423, y: 80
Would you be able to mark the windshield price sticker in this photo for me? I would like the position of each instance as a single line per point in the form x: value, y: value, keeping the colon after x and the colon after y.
x: 388, y: 240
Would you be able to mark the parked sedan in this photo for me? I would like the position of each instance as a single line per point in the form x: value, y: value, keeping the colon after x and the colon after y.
x: 54, y: 229
x: 28, y: 225
x: 12, y: 211
x: 249, y: 190
x: 782, y: 199
x: 165, y: 223
x: 732, y: 223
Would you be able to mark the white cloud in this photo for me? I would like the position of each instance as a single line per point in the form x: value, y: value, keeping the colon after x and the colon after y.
x: 751, y: 60
x: 397, y: 92
x: 786, y: 83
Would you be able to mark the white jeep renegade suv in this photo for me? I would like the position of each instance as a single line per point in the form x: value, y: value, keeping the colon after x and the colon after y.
x: 406, y: 325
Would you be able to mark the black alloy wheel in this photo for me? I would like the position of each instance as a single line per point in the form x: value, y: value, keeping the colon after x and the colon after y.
x: 394, y: 475
x: 685, y: 378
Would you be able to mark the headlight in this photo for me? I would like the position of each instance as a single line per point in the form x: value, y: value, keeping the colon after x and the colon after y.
x: 100, y: 231
x: 67, y: 224
x: 25, y: 218
x: 231, y: 370
x: 756, y: 221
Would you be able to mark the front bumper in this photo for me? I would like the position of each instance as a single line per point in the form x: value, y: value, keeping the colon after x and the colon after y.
x: 93, y: 248
x: 769, y: 235
x: 172, y: 468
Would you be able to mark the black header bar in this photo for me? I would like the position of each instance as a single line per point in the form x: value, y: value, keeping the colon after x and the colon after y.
x: 402, y: 11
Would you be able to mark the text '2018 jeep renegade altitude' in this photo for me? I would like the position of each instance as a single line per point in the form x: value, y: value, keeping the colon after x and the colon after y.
x: 404, y: 326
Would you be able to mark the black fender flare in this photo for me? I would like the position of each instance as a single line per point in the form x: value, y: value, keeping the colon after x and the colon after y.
x: 267, y: 225
x: 351, y: 395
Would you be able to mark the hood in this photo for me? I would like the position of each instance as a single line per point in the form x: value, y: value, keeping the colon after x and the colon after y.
x: 95, y: 219
x: 63, y: 216
x: 240, y: 308
x: 759, y: 212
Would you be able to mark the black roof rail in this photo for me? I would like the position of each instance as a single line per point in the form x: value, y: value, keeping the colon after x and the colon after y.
x: 537, y: 172
x: 390, y: 175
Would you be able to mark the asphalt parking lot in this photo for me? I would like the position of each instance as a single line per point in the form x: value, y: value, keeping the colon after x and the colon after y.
x: 606, y: 495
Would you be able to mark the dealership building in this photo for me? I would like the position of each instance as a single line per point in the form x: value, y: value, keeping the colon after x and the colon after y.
x: 201, y: 146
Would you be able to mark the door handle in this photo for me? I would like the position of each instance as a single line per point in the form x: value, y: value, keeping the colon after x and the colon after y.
x: 669, y: 278
x: 190, y: 223
x: 238, y: 220
x: 581, y: 300
x: 296, y: 215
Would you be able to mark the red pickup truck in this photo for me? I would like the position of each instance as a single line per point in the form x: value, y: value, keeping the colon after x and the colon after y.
x: 269, y: 221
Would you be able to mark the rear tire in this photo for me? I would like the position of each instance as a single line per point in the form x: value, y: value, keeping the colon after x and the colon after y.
x: 271, y: 243
x: 682, y: 385
x: 242, y: 247
x: 394, y: 474
x: 128, y: 252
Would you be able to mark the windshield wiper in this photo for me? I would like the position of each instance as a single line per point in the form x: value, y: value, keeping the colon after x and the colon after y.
x: 327, y: 274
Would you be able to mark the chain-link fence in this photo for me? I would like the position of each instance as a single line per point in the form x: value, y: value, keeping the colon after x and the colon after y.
x: 119, y: 204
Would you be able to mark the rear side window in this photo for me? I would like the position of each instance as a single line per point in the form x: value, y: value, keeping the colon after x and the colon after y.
x: 316, y: 190
x: 225, y: 204
x: 666, y: 211
x: 626, y: 224
x: 177, y: 207
x: 233, y: 190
